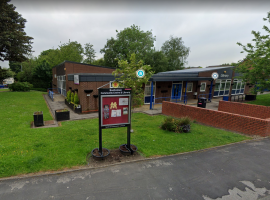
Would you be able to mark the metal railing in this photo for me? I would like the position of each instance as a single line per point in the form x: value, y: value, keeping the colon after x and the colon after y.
x: 51, y: 92
x: 173, y: 99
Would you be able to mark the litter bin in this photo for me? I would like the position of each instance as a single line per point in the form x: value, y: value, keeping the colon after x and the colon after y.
x: 201, y: 102
x: 225, y: 98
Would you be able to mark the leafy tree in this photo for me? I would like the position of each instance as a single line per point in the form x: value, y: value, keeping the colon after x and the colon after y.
x: 5, y: 73
x: 89, y: 52
x: 99, y: 62
x: 14, y: 43
x: 157, y: 60
x: 126, y: 76
x: 71, y: 51
x: 128, y: 41
x: 255, y: 68
x: 42, y: 75
x: 15, y: 66
x: 27, y: 70
x: 176, y: 53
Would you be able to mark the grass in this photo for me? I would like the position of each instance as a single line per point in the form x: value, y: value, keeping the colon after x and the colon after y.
x: 3, y: 89
x: 24, y: 150
x: 263, y: 100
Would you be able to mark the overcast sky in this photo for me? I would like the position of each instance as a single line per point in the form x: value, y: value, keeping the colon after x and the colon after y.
x: 210, y: 28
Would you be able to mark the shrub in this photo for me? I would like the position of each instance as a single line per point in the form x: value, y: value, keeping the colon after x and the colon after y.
x: 69, y: 96
x: 40, y: 89
x: 20, y: 86
x: 176, y: 125
x: 76, y: 99
x: 72, y: 97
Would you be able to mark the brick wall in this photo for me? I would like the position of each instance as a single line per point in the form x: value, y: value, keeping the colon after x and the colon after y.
x: 219, y: 119
x: 262, y: 112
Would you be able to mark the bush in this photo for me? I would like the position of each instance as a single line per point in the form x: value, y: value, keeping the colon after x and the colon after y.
x: 40, y: 89
x: 76, y: 99
x: 176, y: 125
x: 72, y: 97
x: 68, y: 96
x: 20, y: 86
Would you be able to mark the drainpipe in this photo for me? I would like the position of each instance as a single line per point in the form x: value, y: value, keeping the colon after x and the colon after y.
x: 210, y: 92
x: 185, y: 97
x: 151, y: 97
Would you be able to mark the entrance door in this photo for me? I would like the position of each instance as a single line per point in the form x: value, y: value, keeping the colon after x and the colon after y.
x: 176, y: 91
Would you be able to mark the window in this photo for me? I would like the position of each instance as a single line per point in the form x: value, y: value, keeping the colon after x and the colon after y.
x: 203, y: 86
x: 238, y: 86
x: 189, y: 87
x: 222, y: 87
x: 147, y: 90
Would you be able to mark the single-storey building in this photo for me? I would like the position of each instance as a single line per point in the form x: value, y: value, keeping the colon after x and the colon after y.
x: 180, y: 85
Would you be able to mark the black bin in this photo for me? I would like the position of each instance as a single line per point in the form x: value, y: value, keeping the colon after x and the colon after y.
x: 201, y: 102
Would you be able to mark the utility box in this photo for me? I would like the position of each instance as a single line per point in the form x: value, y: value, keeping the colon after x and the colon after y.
x: 201, y: 102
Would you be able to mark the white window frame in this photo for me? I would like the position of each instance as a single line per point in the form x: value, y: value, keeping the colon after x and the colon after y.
x: 191, y: 87
x: 203, y: 83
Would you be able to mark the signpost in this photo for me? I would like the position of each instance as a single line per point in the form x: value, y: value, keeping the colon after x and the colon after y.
x: 114, y: 111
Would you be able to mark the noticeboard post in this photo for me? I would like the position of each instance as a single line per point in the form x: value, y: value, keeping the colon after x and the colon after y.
x: 114, y: 111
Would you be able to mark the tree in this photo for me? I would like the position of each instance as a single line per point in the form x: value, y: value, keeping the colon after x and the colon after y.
x: 71, y: 51
x: 126, y: 76
x: 255, y: 68
x: 5, y: 73
x: 14, y: 43
x: 27, y: 70
x: 15, y: 66
x: 128, y: 41
x: 99, y: 62
x: 157, y: 60
x: 89, y: 52
x: 175, y: 52
x: 42, y: 75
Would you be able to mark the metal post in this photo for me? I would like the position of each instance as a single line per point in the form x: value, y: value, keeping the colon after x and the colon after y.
x: 210, y: 92
x: 151, y: 97
x: 185, y: 100
x: 100, y: 130
x: 128, y: 136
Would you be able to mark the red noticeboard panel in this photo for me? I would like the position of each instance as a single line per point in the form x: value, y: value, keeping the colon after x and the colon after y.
x: 115, y: 110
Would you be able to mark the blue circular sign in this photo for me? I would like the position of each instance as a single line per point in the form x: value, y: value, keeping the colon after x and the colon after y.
x: 140, y: 73
x: 214, y: 75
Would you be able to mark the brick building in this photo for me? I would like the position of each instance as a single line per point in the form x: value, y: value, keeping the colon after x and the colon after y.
x: 187, y: 84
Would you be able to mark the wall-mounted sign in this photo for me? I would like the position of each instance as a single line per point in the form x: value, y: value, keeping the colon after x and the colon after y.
x: 214, y: 75
x: 76, y: 79
x: 115, y: 105
x: 140, y: 73
x: 115, y: 84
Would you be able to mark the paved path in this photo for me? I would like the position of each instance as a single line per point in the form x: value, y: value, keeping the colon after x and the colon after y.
x: 59, y: 103
x: 235, y: 172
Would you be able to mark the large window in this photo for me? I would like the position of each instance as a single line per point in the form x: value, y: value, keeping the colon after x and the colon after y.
x: 61, y: 84
x: 238, y: 86
x: 222, y: 87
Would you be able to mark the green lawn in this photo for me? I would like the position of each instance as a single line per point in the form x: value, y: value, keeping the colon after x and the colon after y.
x: 4, y: 89
x: 263, y: 100
x: 25, y: 150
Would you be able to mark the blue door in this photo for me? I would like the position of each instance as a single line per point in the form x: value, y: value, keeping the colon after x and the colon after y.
x: 176, y: 91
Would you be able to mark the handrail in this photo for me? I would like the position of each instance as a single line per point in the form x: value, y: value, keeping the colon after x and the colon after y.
x: 50, y: 92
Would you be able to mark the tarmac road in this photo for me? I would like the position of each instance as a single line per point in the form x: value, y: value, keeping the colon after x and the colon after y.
x: 238, y: 171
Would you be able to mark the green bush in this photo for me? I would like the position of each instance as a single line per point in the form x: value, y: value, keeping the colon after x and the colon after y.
x: 72, y: 97
x: 40, y: 89
x: 176, y: 125
x: 69, y: 96
x: 20, y: 86
x: 76, y: 99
